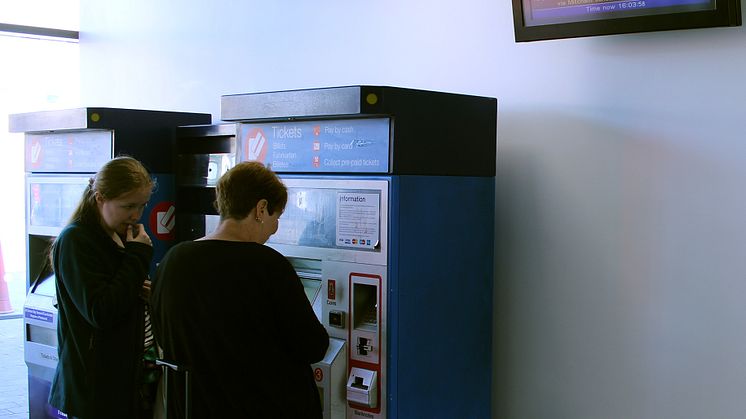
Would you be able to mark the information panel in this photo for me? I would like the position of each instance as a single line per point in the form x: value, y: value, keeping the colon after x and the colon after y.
x: 357, y: 219
x: 328, y: 146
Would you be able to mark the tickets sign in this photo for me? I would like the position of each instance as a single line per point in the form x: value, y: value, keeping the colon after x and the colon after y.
x: 328, y: 146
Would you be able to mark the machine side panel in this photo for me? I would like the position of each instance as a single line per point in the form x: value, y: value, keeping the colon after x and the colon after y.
x: 393, y: 299
x: 445, y: 267
x: 442, y: 134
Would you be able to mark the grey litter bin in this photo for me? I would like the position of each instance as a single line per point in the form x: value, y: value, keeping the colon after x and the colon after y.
x: 40, y: 346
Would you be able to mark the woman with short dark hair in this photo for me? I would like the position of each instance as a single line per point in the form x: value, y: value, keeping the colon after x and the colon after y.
x: 234, y: 312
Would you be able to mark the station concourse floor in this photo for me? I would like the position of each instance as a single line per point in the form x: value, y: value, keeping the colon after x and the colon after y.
x: 13, y: 371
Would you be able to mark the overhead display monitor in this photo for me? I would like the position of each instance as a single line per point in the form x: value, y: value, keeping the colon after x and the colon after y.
x: 554, y: 19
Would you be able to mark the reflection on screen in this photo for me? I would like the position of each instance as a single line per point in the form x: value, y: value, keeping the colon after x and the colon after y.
x: 309, y: 218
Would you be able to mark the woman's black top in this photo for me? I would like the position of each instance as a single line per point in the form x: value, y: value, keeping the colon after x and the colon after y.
x: 100, y: 327
x: 236, y: 314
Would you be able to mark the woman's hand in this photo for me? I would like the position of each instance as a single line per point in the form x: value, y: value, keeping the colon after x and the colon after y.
x: 136, y: 233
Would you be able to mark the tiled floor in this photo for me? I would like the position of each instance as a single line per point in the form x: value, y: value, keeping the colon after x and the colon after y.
x: 13, y: 372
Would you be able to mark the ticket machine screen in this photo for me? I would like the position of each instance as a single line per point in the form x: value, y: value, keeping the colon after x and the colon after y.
x: 331, y: 218
x: 311, y: 287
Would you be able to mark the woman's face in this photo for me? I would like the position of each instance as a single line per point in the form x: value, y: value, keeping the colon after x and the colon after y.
x: 272, y: 223
x: 269, y: 222
x: 124, y: 210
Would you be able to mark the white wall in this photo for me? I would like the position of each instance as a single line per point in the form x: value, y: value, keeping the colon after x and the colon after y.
x: 620, y: 189
x: 28, y: 83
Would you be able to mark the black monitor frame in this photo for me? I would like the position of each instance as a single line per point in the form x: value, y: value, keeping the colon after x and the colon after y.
x: 726, y: 13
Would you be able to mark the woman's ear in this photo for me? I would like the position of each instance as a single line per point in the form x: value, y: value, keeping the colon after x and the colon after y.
x: 261, y: 207
x: 99, y: 198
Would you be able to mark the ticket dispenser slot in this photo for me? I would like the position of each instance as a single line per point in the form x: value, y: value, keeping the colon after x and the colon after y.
x: 365, y: 321
x: 362, y: 387
x: 365, y: 342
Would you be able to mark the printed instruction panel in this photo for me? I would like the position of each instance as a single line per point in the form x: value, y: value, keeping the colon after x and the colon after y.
x: 357, y: 219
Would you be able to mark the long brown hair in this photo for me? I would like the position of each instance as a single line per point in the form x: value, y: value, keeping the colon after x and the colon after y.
x: 117, y: 177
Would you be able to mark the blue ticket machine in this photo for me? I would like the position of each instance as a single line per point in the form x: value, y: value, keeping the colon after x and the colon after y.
x: 390, y: 227
x: 63, y: 149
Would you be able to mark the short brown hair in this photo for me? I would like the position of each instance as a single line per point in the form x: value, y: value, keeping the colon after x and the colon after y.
x: 243, y: 186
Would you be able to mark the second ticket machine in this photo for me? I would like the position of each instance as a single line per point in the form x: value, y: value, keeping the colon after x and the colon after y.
x: 63, y: 149
x: 390, y: 226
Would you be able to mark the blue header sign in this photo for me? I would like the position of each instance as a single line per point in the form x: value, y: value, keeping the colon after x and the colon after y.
x: 68, y: 152
x: 338, y: 146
